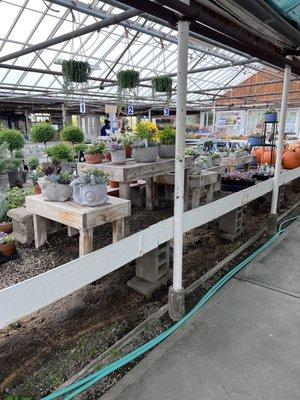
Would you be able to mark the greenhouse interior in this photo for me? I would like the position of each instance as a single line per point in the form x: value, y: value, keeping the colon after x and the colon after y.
x: 149, y: 199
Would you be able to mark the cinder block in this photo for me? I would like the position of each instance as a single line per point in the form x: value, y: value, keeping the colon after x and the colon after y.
x: 138, y: 195
x: 231, y: 224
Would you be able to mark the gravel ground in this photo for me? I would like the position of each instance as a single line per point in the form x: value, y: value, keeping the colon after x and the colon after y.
x: 38, y: 353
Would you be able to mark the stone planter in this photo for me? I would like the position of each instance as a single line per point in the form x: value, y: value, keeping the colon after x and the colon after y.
x: 89, y: 195
x: 118, y: 157
x: 207, y: 161
x: 54, y: 191
x: 3, y: 182
x: 7, y: 249
x: 166, y: 151
x: 93, y: 158
x: 216, y: 161
x: 197, y: 168
x: 144, y: 154
x: 6, y: 227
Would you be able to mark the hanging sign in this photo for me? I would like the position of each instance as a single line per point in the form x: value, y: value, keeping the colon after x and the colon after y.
x: 82, y: 108
x: 166, y: 111
x: 130, y: 110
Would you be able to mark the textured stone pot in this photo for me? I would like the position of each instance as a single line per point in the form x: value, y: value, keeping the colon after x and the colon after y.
x: 89, y: 195
x: 93, y: 158
x: 166, y: 151
x: 216, y: 161
x: 118, y: 157
x: 54, y: 191
x: 207, y: 160
x: 7, y: 249
x: 6, y: 227
x: 144, y: 154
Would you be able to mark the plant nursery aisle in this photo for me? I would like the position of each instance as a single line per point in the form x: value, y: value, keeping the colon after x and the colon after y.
x: 243, y: 344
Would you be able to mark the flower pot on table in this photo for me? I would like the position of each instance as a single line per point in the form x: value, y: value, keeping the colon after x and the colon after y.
x: 54, y: 191
x: 93, y: 158
x: 255, y: 140
x: 89, y: 195
x: 6, y: 227
x: 271, y: 117
x: 166, y: 151
x: 118, y: 157
x: 144, y: 154
x: 7, y: 249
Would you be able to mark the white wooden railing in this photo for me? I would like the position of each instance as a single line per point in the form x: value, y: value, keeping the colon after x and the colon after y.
x: 35, y: 293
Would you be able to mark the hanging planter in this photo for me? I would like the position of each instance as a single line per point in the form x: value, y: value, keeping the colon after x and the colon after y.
x: 162, y: 84
x: 76, y: 71
x: 128, y: 79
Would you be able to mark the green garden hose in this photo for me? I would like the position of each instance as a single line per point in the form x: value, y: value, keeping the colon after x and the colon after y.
x: 76, y: 388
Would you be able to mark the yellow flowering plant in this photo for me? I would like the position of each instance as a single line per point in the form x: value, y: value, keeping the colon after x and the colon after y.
x: 146, y: 130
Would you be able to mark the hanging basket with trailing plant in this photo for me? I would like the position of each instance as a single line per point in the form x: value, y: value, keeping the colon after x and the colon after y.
x: 76, y: 71
x: 162, y: 84
x: 128, y: 79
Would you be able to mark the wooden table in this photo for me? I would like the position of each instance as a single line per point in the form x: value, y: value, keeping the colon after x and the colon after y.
x: 220, y: 170
x: 78, y: 218
x: 132, y: 171
x: 232, y: 162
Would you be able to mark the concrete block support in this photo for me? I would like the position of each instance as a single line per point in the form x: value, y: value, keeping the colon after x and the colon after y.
x: 231, y: 224
x: 152, y: 271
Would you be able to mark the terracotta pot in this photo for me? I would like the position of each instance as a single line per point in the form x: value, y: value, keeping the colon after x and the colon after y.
x: 6, y: 227
x: 128, y: 150
x: 37, y: 189
x: 107, y: 157
x: 113, y: 184
x: 93, y: 158
x: 7, y: 249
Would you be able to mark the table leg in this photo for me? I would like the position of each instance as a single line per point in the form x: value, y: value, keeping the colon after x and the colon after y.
x: 118, y: 229
x: 196, y: 197
x: 40, y: 230
x: 149, y: 193
x: 186, y: 189
x: 209, y: 194
x: 124, y: 190
x: 85, y: 241
x: 72, y: 231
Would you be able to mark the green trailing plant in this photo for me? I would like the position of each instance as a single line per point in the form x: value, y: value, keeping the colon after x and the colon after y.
x: 128, y: 79
x: 72, y: 134
x: 93, y: 176
x: 33, y: 163
x: 15, y: 197
x: 13, y: 138
x: 60, y: 153
x: 97, y: 148
x: 42, y: 133
x: 162, y: 84
x: 167, y: 135
x: 75, y: 71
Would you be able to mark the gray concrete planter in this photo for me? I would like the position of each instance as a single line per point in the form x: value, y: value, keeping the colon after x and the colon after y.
x: 166, y: 151
x: 216, y: 161
x: 144, y: 154
x: 89, y: 195
x: 54, y: 191
x: 118, y: 157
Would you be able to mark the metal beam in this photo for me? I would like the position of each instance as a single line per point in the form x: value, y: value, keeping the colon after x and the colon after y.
x: 71, y: 35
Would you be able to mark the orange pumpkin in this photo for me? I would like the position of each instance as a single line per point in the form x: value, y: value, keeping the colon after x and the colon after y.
x: 257, y: 152
x: 267, y: 155
x: 291, y: 159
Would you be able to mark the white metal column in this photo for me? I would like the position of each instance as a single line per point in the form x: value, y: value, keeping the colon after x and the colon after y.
x: 279, y: 152
x: 176, y: 293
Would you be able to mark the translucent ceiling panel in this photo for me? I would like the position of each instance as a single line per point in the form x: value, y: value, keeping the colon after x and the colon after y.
x: 12, y: 77
x: 25, y: 25
x: 42, y: 32
x: 8, y: 14
x: 30, y: 78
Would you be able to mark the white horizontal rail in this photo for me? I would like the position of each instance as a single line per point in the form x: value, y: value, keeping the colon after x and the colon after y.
x: 35, y: 293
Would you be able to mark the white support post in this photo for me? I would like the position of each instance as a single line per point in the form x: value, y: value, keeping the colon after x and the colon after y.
x: 297, y: 123
x: 176, y: 292
x: 63, y: 114
x: 272, y: 228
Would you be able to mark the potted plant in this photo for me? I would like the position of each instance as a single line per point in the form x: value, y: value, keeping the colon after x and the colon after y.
x: 128, y: 79
x: 5, y: 222
x: 127, y: 141
x: 14, y: 141
x: 34, y: 176
x: 271, y: 115
x: 256, y: 138
x: 79, y: 150
x: 55, y: 185
x: 72, y: 134
x: 94, y: 153
x: 33, y: 163
x: 162, y: 84
x: 7, y: 244
x: 3, y: 167
x: 166, y: 138
x: 144, y: 146
x: 117, y: 151
x: 90, y: 188
x: 236, y: 180
x: 75, y: 71
x: 42, y: 132
x: 60, y: 153
x: 216, y: 159
x: 207, y: 159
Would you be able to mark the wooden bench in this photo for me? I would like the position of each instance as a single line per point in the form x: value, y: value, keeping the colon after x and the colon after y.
x: 78, y: 218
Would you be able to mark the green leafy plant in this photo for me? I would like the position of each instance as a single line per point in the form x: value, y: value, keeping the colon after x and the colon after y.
x: 6, y: 238
x: 42, y: 133
x: 63, y: 178
x: 145, y: 131
x: 162, y: 84
x: 167, y: 135
x: 190, y: 151
x: 97, y: 148
x: 13, y: 138
x: 72, y: 134
x: 11, y: 397
x: 126, y: 139
x: 93, y: 176
x: 36, y: 174
x: 15, y: 197
x: 80, y: 147
x: 75, y: 71
x: 33, y: 163
x: 271, y: 110
x: 3, y: 158
x: 3, y: 210
x: 60, y: 153
x: 128, y: 79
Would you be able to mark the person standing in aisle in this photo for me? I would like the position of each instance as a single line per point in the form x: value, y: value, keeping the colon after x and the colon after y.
x: 105, y: 130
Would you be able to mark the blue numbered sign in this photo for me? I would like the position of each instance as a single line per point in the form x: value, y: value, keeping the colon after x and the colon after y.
x: 166, y: 112
x: 82, y: 108
x: 130, y: 110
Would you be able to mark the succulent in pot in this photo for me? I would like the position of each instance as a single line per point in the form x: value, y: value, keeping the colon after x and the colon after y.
x: 94, y: 153
x: 90, y: 188
x: 166, y: 138
x: 144, y: 146
x: 7, y: 244
x: 117, y: 151
x: 55, y: 186
x: 34, y: 176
